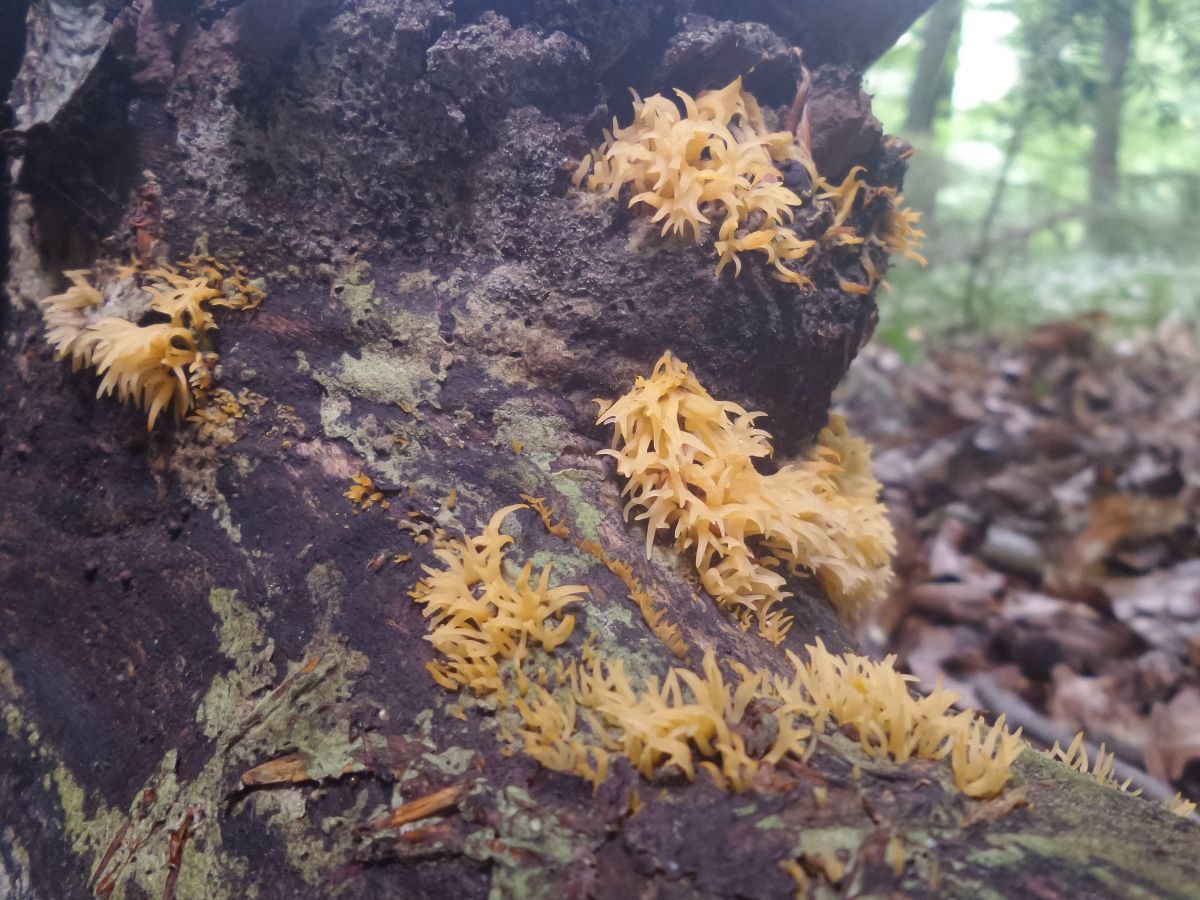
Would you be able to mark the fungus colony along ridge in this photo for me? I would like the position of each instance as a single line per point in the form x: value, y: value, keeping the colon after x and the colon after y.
x: 715, y: 168
x: 162, y: 364
x: 505, y: 633
x: 499, y: 636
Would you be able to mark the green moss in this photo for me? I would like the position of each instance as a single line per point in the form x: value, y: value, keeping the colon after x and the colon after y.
x: 239, y: 631
x: 223, y: 516
x: 830, y: 842
x: 87, y: 832
x: 1108, y: 858
x: 999, y: 855
x: 241, y: 639
x: 452, y: 762
x: 359, y: 299
x: 565, y: 568
x: 533, y: 851
x: 541, y: 435
x: 585, y: 513
x: 248, y: 725
x: 379, y: 376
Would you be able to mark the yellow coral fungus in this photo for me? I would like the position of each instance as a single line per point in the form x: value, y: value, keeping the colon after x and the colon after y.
x: 876, y: 703
x: 538, y: 505
x: 712, y: 163
x: 550, y: 737
x: 895, y: 231
x: 479, y: 617
x: 982, y: 759
x: 156, y: 365
x: 1076, y: 757
x: 688, y: 461
x: 147, y: 365
x: 688, y: 717
x: 577, y: 716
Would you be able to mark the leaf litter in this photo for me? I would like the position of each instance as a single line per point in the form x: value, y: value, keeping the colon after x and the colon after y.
x: 1046, y: 492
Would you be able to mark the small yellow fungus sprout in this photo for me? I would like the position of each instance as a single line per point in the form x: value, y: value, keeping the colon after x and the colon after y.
x: 364, y: 494
x: 900, y: 233
x: 843, y: 197
x: 1179, y: 806
x: 550, y: 737
x: 895, y: 232
x: 1076, y: 757
x: 479, y: 617
x: 538, y: 505
x: 689, y: 715
x: 688, y: 461
x: 982, y: 759
x: 895, y: 855
x: 158, y: 365
x: 799, y: 876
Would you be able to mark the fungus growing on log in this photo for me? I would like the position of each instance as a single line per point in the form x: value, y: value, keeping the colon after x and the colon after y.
x: 688, y: 462
x: 716, y: 165
x: 155, y: 365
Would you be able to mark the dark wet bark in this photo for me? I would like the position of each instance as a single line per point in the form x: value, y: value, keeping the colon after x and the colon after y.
x: 443, y: 306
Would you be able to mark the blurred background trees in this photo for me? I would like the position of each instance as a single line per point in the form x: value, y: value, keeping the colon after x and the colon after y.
x: 1058, y: 162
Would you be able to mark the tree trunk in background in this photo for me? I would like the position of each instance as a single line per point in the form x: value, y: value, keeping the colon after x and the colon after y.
x: 212, y: 679
x: 1104, y: 225
x: 933, y: 81
x: 928, y: 103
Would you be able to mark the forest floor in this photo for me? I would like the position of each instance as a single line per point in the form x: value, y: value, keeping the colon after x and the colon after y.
x: 1046, y: 493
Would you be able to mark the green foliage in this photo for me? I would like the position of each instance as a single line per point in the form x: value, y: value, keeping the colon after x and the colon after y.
x: 1022, y: 254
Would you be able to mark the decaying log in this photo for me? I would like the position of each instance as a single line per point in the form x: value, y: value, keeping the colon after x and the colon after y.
x: 211, y: 674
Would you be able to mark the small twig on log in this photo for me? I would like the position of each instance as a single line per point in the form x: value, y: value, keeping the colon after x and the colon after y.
x: 284, y: 770
x: 115, y: 844
x: 175, y: 850
x: 419, y: 808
